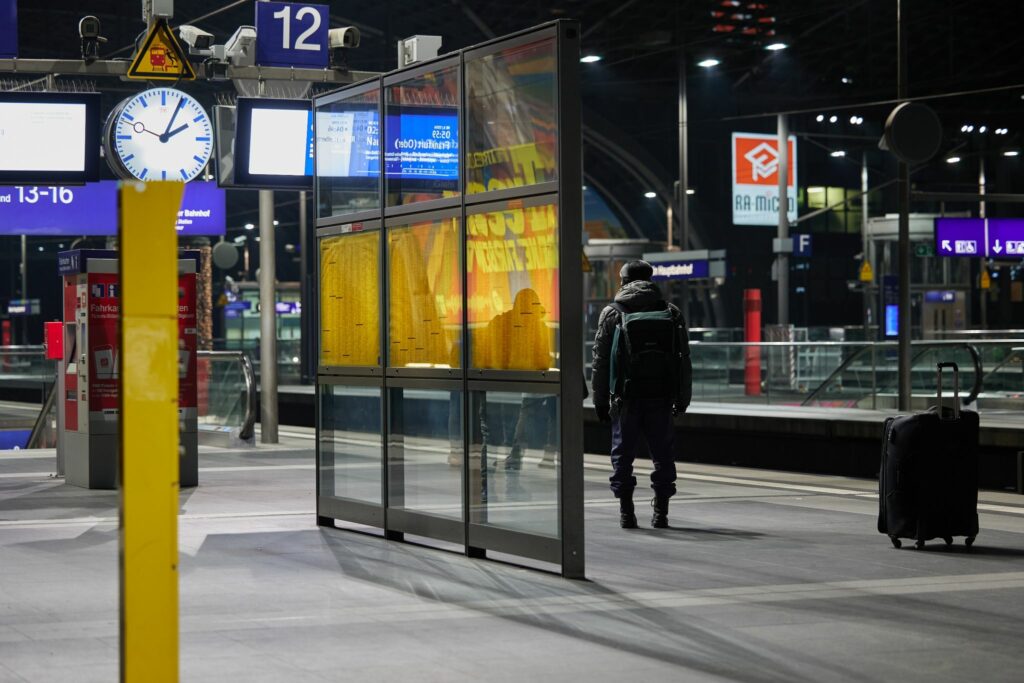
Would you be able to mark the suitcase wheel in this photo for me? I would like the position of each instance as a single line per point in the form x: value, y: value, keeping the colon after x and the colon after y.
x: 948, y: 540
x: 969, y: 541
x: 919, y: 544
x: 895, y: 542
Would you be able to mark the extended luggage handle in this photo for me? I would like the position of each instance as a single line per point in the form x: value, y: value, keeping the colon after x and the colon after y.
x: 956, y: 388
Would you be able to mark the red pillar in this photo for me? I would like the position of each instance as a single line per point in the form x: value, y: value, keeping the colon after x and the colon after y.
x: 752, y: 333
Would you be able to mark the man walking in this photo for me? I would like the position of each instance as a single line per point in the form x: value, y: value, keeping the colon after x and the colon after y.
x: 642, y: 378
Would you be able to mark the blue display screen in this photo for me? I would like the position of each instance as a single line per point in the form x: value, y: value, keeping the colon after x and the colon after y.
x: 348, y: 143
x: 422, y: 145
x: 892, y: 320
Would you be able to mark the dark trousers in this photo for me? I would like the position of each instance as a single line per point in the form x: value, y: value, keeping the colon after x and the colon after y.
x: 650, y: 419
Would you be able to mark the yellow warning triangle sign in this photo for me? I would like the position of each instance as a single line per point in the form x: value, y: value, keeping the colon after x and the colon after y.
x: 161, y: 57
x: 867, y: 274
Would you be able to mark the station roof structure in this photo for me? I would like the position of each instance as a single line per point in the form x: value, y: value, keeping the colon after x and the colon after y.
x: 839, y: 54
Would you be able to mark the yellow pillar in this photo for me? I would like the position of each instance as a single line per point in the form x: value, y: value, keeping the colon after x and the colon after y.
x: 149, y: 431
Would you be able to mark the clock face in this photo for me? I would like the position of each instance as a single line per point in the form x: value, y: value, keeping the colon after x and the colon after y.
x: 160, y: 134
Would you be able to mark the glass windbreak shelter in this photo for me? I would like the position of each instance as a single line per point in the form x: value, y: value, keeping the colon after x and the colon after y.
x: 449, y: 217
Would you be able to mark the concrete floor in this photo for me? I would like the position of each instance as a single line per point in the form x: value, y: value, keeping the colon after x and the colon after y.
x: 764, y: 576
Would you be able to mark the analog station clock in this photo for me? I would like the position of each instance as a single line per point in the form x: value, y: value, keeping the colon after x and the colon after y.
x: 159, y: 134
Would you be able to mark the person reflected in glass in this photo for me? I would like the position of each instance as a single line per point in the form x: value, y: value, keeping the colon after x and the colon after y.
x: 519, y: 339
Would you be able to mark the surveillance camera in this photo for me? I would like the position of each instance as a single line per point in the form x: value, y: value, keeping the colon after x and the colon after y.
x: 347, y: 36
x: 241, y: 46
x: 89, y: 27
x: 197, y: 38
x: 89, y: 32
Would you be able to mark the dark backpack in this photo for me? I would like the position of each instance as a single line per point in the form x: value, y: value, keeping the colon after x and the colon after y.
x: 645, y: 355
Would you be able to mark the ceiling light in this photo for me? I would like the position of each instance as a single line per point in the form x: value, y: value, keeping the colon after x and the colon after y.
x: 708, y: 63
x: 1010, y: 153
x: 838, y: 153
x: 983, y: 129
x: 775, y: 47
x: 846, y: 80
x: 277, y: 222
x: 970, y: 128
x: 833, y: 118
x: 691, y: 191
x: 650, y: 195
x: 240, y: 239
x: 853, y: 120
x: 963, y: 128
x: 590, y: 59
x: 952, y: 160
x: 819, y: 118
x: 249, y: 226
x: 40, y: 249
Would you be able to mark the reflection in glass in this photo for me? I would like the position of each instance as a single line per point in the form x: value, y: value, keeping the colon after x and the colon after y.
x: 425, y: 451
x: 514, y: 463
x: 510, y: 118
x: 349, y: 299
x: 348, y: 155
x: 512, y: 264
x: 350, y: 442
x: 421, y: 137
x: 425, y: 295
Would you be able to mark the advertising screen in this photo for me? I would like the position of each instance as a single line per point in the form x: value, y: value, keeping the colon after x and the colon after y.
x: 422, y: 144
x: 274, y: 146
x: 49, y: 137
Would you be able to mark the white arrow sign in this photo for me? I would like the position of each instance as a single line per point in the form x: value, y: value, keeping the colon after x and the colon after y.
x: 997, y: 248
x: 945, y: 246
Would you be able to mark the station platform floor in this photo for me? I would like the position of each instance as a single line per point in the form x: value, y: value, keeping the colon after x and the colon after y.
x: 763, y: 576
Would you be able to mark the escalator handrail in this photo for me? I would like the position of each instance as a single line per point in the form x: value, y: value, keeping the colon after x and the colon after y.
x: 249, y: 376
x: 971, y: 349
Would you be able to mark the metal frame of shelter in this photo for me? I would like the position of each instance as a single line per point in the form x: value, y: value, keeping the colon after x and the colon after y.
x: 562, y: 543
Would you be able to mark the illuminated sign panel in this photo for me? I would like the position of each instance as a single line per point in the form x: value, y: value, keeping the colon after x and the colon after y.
x: 755, y: 179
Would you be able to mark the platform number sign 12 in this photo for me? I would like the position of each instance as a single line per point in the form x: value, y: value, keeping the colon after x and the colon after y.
x: 291, y: 34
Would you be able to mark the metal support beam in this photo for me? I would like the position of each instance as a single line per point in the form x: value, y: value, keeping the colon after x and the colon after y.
x: 268, y: 320
x: 782, y: 259
x: 149, y: 457
x: 306, y: 363
x: 118, y: 68
x: 865, y: 247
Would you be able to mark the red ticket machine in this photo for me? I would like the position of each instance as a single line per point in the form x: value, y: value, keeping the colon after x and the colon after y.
x: 88, y: 447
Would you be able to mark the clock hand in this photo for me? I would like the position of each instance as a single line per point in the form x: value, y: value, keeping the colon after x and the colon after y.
x: 168, y: 136
x: 164, y: 136
x: 140, y: 127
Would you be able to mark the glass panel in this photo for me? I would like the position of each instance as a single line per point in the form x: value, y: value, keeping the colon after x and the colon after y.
x: 425, y: 295
x: 510, y: 118
x: 350, y: 299
x: 351, y: 452
x: 516, y: 434
x: 421, y: 137
x: 512, y: 263
x: 425, y: 451
x: 348, y: 155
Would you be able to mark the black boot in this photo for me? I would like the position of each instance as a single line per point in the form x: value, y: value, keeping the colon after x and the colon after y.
x: 659, y: 520
x: 627, y: 516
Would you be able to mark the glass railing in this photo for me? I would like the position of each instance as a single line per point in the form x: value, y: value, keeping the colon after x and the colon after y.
x: 28, y: 415
x: 26, y: 379
x: 289, y: 368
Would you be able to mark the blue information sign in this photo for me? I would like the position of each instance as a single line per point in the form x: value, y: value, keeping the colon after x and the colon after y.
x: 91, y: 209
x: 8, y: 29
x: 291, y: 34
x: 680, y: 270
x: 802, y: 246
x: 976, y: 237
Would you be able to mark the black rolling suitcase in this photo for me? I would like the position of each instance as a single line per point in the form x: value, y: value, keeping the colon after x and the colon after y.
x: 928, y: 481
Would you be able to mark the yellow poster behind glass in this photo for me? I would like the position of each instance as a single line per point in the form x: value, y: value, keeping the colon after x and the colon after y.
x: 512, y: 276
x: 349, y: 300
x: 425, y: 292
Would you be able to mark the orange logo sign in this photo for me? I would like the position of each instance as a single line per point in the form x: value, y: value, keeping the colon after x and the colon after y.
x: 757, y: 161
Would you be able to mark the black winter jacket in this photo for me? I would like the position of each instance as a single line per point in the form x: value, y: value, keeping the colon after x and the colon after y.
x: 635, y: 297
